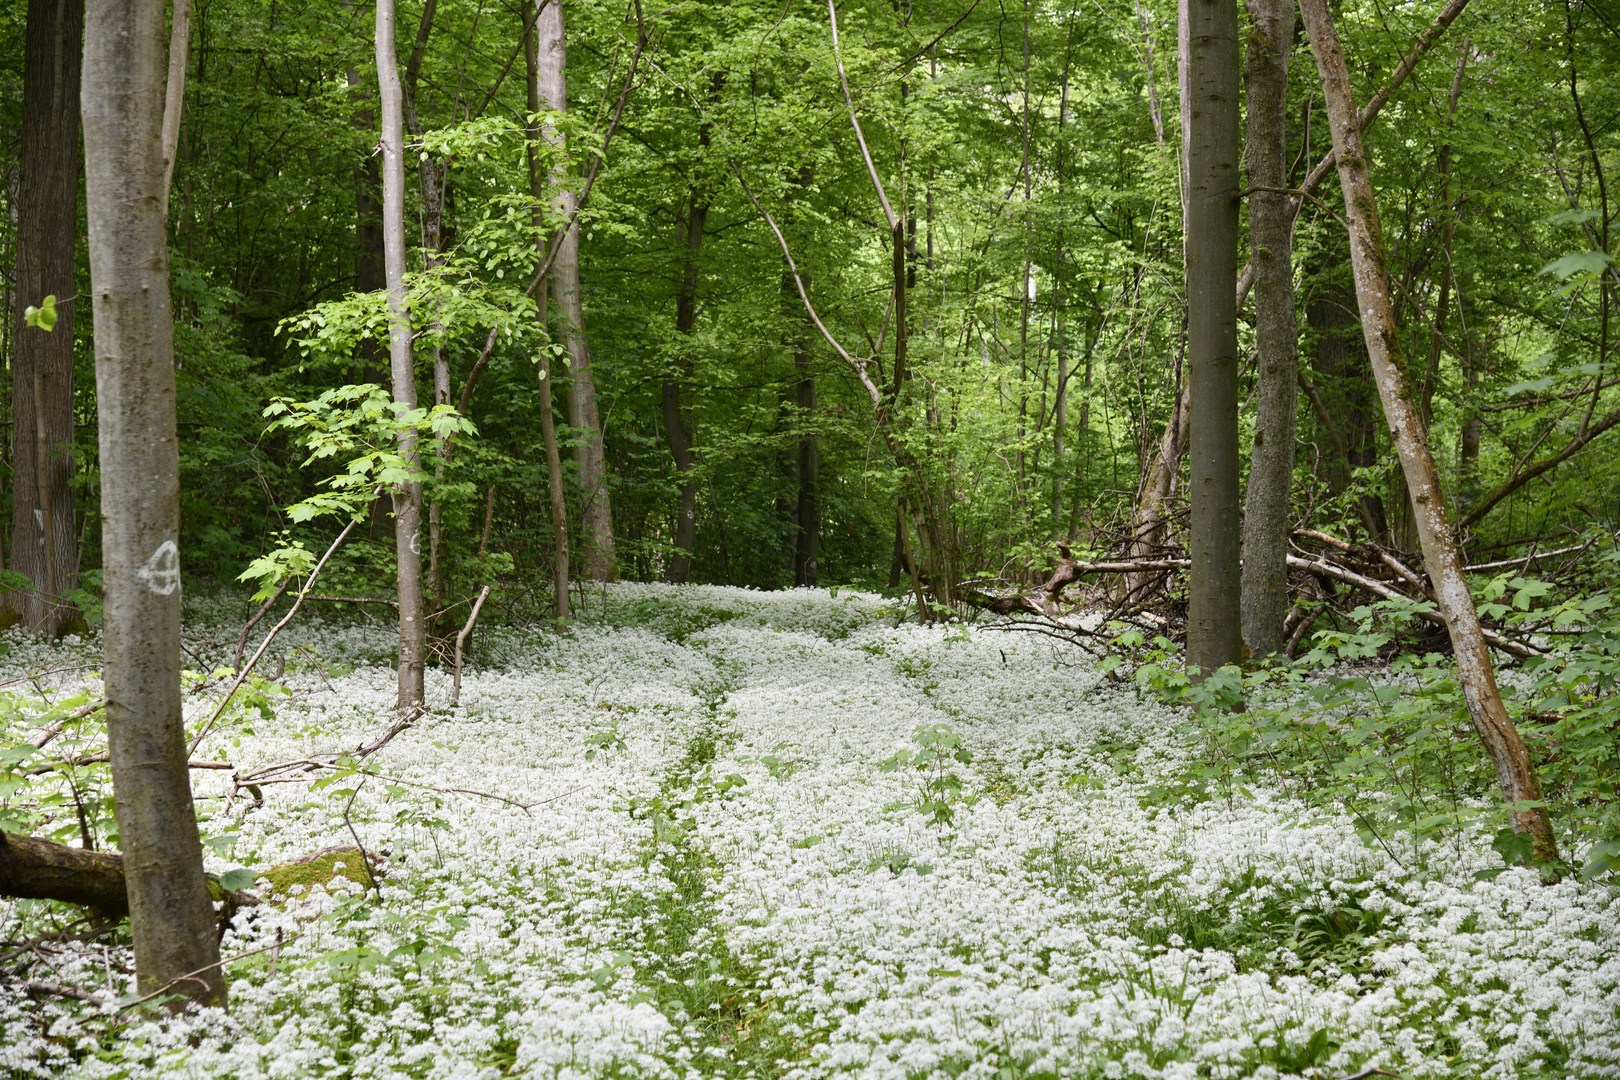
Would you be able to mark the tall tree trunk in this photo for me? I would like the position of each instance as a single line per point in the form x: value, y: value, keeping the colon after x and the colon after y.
x: 1448, y: 233
x: 556, y: 497
x: 596, y: 517
x: 1213, y: 618
x: 408, y: 495
x: 1147, y: 519
x: 1341, y: 357
x: 677, y: 423
x: 1473, y: 364
x: 171, y: 916
x: 1271, y: 462
x: 432, y: 174
x: 1515, y: 773
x: 808, y: 539
x: 43, y: 543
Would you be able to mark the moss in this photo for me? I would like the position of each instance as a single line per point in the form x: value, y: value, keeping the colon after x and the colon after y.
x: 320, y: 868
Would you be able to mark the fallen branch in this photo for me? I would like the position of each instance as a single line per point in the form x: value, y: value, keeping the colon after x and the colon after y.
x: 1045, y: 600
x: 1387, y: 592
x: 355, y: 600
x: 102, y: 758
x: 54, y: 989
x: 43, y: 737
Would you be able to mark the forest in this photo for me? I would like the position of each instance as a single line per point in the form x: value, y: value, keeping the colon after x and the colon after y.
x: 1010, y: 541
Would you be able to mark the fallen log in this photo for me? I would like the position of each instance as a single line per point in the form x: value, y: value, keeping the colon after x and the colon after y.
x: 35, y: 869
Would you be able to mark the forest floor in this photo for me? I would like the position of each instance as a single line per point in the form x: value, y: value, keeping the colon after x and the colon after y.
x: 722, y: 868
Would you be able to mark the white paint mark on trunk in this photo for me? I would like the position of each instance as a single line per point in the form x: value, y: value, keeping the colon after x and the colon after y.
x: 161, y: 574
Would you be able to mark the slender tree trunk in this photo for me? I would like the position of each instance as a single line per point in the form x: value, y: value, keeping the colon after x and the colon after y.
x: 407, y: 496
x: 1060, y: 403
x: 432, y: 174
x: 171, y: 916
x: 556, y: 496
x: 1341, y: 358
x: 677, y: 423
x: 596, y: 517
x: 1147, y: 521
x: 1266, y: 524
x: 1448, y: 233
x: 43, y: 543
x: 1468, y: 441
x: 809, y: 509
x: 1213, y: 619
x: 1515, y: 772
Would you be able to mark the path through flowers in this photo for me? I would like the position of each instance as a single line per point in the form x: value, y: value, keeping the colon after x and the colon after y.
x: 732, y: 864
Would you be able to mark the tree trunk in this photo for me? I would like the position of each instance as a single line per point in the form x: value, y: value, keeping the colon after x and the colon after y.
x: 596, y: 517
x: 677, y: 423
x: 171, y: 917
x: 1468, y: 440
x: 1213, y: 618
x: 556, y: 496
x: 809, y: 509
x: 1448, y: 233
x: 408, y: 495
x: 1147, y: 520
x: 1341, y: 358
x: 432, y: 175
x: 43, y: 543
x: 1515, y: 773
x: 1271, y: 463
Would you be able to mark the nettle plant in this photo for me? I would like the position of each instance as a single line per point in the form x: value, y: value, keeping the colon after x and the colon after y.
x: 939, y: 790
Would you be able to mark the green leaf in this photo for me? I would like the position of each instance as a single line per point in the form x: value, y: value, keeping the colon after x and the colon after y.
x: 44, y: 316
x: 237, y: 880
x: 1578, y: 263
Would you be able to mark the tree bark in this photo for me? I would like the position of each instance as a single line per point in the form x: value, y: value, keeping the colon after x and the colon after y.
x: 1213, y: 619
x: 1271, y: 462
x: 1341, y: 358
x: 171, y: 917
x: 402, y: 368
x: 432, y: 174
x: 174, y: 94
x: 677, y: 423
x: 1448, y: 233
x: 1147, y: 520
x: 556, y: 497
x: 596, y: 516
x: 43, y: 543
x: 805, y: 551
x: 1515, y: 773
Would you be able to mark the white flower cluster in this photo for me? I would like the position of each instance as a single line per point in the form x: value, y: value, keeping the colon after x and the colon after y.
x: 679, y: 843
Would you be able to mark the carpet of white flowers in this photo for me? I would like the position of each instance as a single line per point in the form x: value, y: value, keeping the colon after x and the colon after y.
x: 710, y: 862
